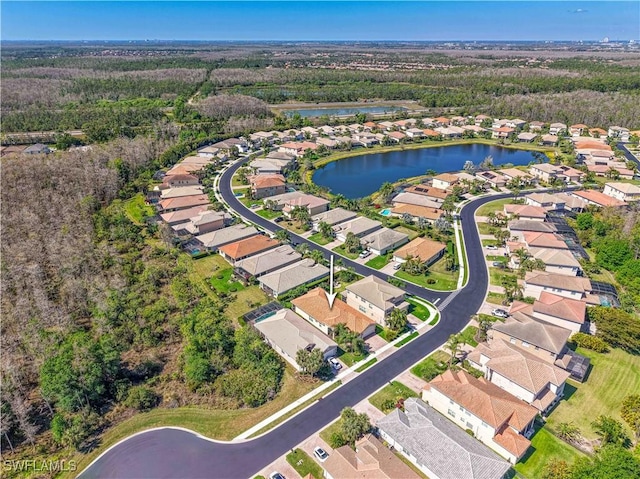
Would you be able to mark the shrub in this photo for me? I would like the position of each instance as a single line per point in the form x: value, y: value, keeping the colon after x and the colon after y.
x: 431, y: 281
x: 141, y: 398
x: 590, y: 342
x: 232, y: 289
x: 337, y: 440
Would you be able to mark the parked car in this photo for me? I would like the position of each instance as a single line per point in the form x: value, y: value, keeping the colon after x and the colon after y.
x: 321, y: 454
x: 397, y: 266
x: 278, y: 219
x: 366, y: 253
x: 500, y: 313
x: 491, y: 247
x: 276, y: 475
x: 498, y: 264
x: 335, y: 363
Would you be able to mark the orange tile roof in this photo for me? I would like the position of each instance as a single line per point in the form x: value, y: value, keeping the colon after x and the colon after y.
x: 423, y: 248
x: 448, y: 177
x: 579, y: 125
x: 442, y: 119
x: 561, y: 307
x: 426, y: 190
x: 248, y: 246
x: 316, y: 305
x: 396, y: 134
x: 266, y: 181
x: 418, y: 211
x: 592, y: 145
x: 430, y: 132
x: 543, y: 240
x: 599, y: 198
x: 597, y: 130
x: 529, y: 211
x: 512, y: 441
x: 184, y: 202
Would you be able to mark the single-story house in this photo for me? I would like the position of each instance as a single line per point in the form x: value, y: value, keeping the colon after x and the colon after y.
x: 435, y: 194
x: 177, y: 181
x: 397, y: 136
x: 496, y: 418
x: 515, y: 173
x: 239, y: 250
x: 264, y: 186
x: 604, y: 170
x: 182, y: 216
x: 557, y: 128
x: 208, y: 151
x: 266, y: 262
x: 375, y: 298
x: 534, y: 239
x: 409, y: 198
x: 525, y: 212
x: 558, y: 261
x: 182, y: 203
x: 415, y: 133
x: 496, y: 180
x: 622, y: 191
x: 298, y: 149
x: 415, y: 211
x: 287, y: 333
x: 384, y: 240
x: 231, y: 144
x: 37, y: 149
x: 204, y: 222
x: 516, y: 226
x: 314, y: 204
x: 549, y: 140
x: 428, y: 251
x: 536, y: 125
x: 359, y: 226
x: 546, y: 201
x: 314, y: 307
x: 332, y: 217
x: 266, y: 166
x: 437, y: 446
x: 181, y: 191
x: 214, y: 239
x: 290, y: 277
x: 594, y: 197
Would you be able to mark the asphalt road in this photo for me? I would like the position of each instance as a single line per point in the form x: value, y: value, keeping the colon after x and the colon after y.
x: 170, y: 453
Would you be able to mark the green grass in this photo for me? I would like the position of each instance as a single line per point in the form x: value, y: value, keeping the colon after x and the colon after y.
x: 418, y: 310
x: 247, y: 200
x: 435, y: 320
x: 495, y: 206
x: 379, y: 261
x: 544, y: 447
x: 489, y: 242
x: 431, y: 366
x: 340, y: 250
x: 391, y: 392
x: 235, y: 181
x: 221, y: 281
x: 467, y: 336
x: 293, y: 226
x: 412, y: 234
x: 502, y: 259
x: 369, y: 363
x: 303, y: 464
x: 269, y: 214
x: 496, y: 275
x: 319, y: 239
x: 444, y: 280
x: 137, y: 210
x: 614, y: 376
x: 485, y: 228
x: 411, y: 337
x: 350, y: 358
x: 495, y: 298
x: 330, y: 430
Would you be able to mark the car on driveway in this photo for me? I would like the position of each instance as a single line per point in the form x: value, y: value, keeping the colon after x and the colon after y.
x: 498, y: 264
x: 500, y: 313
x: 276, y: 475
x: 321, y: 454
x: 492, y: 247
x: 397, y: 266
x: 335, y: 363
x: 365, y: 254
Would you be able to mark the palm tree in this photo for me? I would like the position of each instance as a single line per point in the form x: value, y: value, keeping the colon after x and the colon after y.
x: 325, y: 230
x: 453, y: 345
x: 449, y: 261
x: 317, y: 256
x: 282, y: 236
x: 413, y: 265
x: 302, y: 248
x: 568, y: 431
x: 386, y: 191
x: 397, y: 320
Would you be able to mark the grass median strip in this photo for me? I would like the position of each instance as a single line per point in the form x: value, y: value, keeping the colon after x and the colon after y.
x: 369, y: 363
x: 411, y: 337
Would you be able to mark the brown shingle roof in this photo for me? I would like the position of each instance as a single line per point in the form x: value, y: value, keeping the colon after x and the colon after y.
x: 316, y: 305
x: 248, y: 246
x: 422, y: 248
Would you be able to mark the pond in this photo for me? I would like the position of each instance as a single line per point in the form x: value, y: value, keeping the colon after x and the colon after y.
x: 361, y: 175
x: 344, y: 111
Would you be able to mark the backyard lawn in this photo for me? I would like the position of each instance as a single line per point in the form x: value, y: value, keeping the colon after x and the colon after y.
x: 137, y: 210
x: 221, y: 281
x: 431, y: 366
x: 495, y: 206
x: 412, y: 234
x: 303, y: 464
x: 544, y: 447
x: 379, y: 261
x: 319, y: 239
x: 614, y: 375
x: 391, y: 392
x: 418, y: 310
x: 340, y: 250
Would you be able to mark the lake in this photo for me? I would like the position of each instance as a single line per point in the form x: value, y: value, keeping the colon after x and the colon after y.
x: 344, y: 111
x: 360, y: 176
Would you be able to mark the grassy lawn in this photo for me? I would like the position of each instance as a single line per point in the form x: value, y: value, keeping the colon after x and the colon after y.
x: 330, y: 430
x: 318, y: 238
x: 247, y: 200
x: 366, y: 365
x: 485, y: 228
x: 431, y: 366
x: 489, y: 242
x: 218, y: 424
x: 221, y: 281
x: 411, y: 337
x: 408, y: 231
x: 137, y: 210
x: 303, y: 464
x: 392, y: 392
x: 444, y: 281
x: 467, y: 336
x: 245, y: 301
x: 495, y: 206
x: 614, y: 376
x: 418, y: 310
x: 496, y: 275
x: 340, y: 250
x: 502, y: 259
x: 495, y: 298
x: 269, y: 214
x: 545, y: 446
x: 293, y: 226
x: 379, y: 261
x: 235, y: 181
x: 350, y: 358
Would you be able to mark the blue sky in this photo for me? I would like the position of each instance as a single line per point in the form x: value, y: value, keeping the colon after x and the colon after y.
x: 330, y: 20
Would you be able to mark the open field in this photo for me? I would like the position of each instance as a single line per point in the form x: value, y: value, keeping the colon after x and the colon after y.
x: 137, y: 210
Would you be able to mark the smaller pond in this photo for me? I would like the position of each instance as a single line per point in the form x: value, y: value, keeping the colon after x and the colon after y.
x: 344, y: 111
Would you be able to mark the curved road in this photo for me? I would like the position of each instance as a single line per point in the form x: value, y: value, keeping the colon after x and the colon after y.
x: 172, y: 453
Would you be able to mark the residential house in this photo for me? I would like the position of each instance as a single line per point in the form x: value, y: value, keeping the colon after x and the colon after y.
x: 548, y: 140
x: 386, y: 125
x: 182, y: 216
x: 415, y: 133
x: 215, y: 239
x: 326, y: 130
x: 298, y: 149
x: 598, y: 198
x: 203, y: 222
x: 546, y: 201
x: 332, y: 217
x: 11, y: 150
x: 396, y: 136
x: 37, y: 149
x: 518, y: 226
x: 435, y: 194
x: 536, y: 125
x: 516, y: 123
x: 287, y: 333
x: 547, y: 241
x: 264, y: 186
x: 437, y: 446
x: 480, y: 119
x: 527, y: 137
x: 546, y: 172
x: 578, y: 129
x: 428, y: 251
x: 208, y: 151
x: 445, y: 181
x: 622, y: 173
x: 622, y: 191
x: 571, y: 174
x: 383, y: 240
x: 370, y: 459
x: 557, y: 261
x: 310, y: 132
x: 328, y: 142
x: 622, y: 134
x: 410, y: 198
x: 269, y: 166
x: 239, y: 250
x: 525, y: 212
x: 598, y: 132
x: 441, y: 121
x: 181, y: 191
x: 433, y: 134
x: 290, y: 277
x: 537, y: 282
x: 493, y: 178
x: 178, y: 181
x: 359, y: 226
x: 555, y: 309
x: 557, y: 128
x: 416, y: 211
x: 232, y: 144
x: 182, y: 203
x: 314, y: 307
x: 260, y: 138
x: 571, y: 203
x: 375, y: 298
x: 314, y: 204
x: 449, y: 132
x: 502, y: 132
x: 266, y: 262
x: 520, y: 373
x: 473, y: 129
x: 496, y: 418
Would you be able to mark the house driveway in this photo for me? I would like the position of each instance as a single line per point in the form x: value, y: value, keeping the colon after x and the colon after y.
x: 375, y: 342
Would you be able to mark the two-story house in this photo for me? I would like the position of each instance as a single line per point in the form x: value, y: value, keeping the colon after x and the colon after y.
x: 375, y: 298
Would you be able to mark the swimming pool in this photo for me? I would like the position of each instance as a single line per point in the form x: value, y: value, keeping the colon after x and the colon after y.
x: 385, y: 212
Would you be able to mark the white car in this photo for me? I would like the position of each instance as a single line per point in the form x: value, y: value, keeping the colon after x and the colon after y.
x: 321, y: 454
x: 335, y: 363
x: 492, y: 247
x: 365, y: 254
x: 397, y: 266
x: 500, y: 313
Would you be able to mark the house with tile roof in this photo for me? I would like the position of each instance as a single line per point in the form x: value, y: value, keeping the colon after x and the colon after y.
x: 525, y: 212
x: 215, y: 239
x: 622, y: 191
x: 266, y: 262
x: 370, y: 459
x: 181, y: 191
x: 535, y: 239
x: 496, y: 180
x: 547, y: 201
x: 239, y: 250
x: 537, y: 282
x: 375, y: 298
x: 415, y: 211
x: 497, y: 418
x: 332, y: 217
x: 314, y: 307
x: 313, y: 204
x: 437, y: 446
x: 287, y: 333
x: 427, y: 250
x: 521, y: 225
x: 173, y: 218
x: 266, y: 166
x: 520, y: 373
x: 597, y: 198
x: 359, y: 226
x: 290, y: 277
x: 264, y: 186
x: 561, y: 311
x: 436, y: 194
x: 182, y: 203
x: 204, y: 222
x: 445, y: 181
x: 177, y: 181
x: 557, y: 261
x: 383, y: 240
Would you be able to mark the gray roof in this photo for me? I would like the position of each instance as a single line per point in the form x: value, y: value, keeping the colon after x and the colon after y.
x: 281, y: 155
x: 202, y: 219
x: 534, y: 331
x: 358, y: 226
x: 221, y: 237
x: 286, y: 197
x: 415, y: 199
x: 555, y: 257
x: 290, y: 333
x: 376, y: 291
x: 440, y: 445
x: 384, y: 238
x: 268, y: 261
x: 294, y: 275
x: 266, y: 164
x: 529, y: 225
x: 334, y: 216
